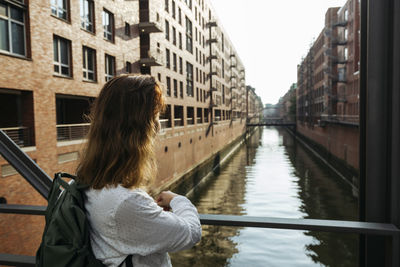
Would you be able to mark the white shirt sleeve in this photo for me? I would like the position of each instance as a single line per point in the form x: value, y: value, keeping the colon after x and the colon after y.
x: 145, y: 228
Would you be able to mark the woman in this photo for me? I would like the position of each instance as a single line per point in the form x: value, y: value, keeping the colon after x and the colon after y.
x: 117, y: 162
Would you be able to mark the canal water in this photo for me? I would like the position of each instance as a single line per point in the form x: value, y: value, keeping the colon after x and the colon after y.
x: 273, y: 175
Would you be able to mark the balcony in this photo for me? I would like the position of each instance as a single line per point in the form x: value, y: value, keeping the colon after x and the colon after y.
x: 69, y: 132
x: 351, y: 120
x: 150, y: 57
x: 146, y: 25
x: 340, y: 23
x: 339, y: 42
x: 22, y: 136
x: 212, y: 23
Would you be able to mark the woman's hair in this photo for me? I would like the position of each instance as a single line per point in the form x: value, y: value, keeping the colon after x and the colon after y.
x: 120, y: 145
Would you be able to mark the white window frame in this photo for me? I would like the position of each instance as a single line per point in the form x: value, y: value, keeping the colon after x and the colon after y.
x: 85, y: 69
x: 88, y: 13
x: 109, y: 76
x: 108, y: 19
x: 9, y: 22
x: 58, y: 63
x: 56, y: 8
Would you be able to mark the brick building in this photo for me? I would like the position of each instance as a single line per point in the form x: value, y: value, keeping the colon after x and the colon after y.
x: 328, y: 85
x: 55, y: 58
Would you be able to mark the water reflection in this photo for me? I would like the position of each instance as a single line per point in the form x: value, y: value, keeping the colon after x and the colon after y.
x: 272, y: 175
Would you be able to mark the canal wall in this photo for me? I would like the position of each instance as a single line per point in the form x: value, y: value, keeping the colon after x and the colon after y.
x: 339, y: 166
x: 194, y: 178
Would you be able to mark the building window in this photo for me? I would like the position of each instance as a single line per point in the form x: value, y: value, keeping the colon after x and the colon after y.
x: 180, y: 65
x: 166, y: 29
x: 180, y: 41
x: 189, y: 79
x: 87, y: 15
x: 189, y: 3
x: 62, y: 54
x: 179, y: 15
x: 175, y: 88
x: 89, y: 63
x: 168, y: 86
x: 181, y: 89
x: 174, y: 35
x: 173, y: 9
x: 127, y: 29
x: 109, y: 67
x: 174, y: 63
x: 108, y: 25
x: 189, y: 37
x: 12, y: 29
x: 167, y: 57
x: 59, y: 8
x: 166, y: 5
x: 128, y: 67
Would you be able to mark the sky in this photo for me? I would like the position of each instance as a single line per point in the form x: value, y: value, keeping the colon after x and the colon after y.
x: 271, y: 37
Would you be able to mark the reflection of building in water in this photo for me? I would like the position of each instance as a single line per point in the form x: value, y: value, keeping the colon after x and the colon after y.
x: 224, y: 195
x: 324, y: 197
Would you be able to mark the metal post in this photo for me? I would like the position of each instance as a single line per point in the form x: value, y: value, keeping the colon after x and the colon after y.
x: 380, y: 153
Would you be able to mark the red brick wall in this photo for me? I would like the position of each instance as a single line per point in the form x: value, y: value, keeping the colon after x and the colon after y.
x: 341, y: 141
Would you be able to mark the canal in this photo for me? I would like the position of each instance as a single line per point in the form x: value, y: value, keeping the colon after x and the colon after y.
x: 273, y: 175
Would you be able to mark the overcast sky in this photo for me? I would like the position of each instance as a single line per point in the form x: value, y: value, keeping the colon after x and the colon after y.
x: 271, y: 36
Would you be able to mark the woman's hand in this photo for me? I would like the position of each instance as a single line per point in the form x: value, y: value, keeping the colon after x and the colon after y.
x: 164, y: 199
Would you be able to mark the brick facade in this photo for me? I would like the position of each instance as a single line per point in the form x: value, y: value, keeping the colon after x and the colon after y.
x: 139, y: 38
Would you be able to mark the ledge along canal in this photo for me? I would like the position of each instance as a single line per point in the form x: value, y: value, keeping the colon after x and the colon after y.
x: 273, y: 175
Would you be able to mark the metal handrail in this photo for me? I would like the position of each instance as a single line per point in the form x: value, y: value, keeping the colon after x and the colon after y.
x: 337, y: 226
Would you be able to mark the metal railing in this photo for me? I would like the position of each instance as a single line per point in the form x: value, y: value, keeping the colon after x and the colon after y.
x: 22, y: 136
x: 347, y: 119
x: 190, y: 121
x: 165, y: 123
x: 68, y: 132
x: 178, y: 122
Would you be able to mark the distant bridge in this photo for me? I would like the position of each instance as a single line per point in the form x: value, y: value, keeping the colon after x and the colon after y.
x: 271, y: 124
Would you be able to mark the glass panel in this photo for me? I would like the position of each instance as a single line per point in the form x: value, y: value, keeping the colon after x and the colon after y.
x: 62, y: 14
x: 84, y: 74
x: 84, y: 55
x: 111, y: 66
x: 82, y: 8
x: 17, y: 14
x: 18, y: 42
x: 64, y: 70
x: 3, y: 10
x: 4, y: 41
x: 91, y: 76
x: 56, y: 69
x: 55, y: 49
x: 90, y: 58
x: 64, y: 52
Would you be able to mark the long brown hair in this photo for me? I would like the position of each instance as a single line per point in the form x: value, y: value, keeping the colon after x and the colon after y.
x: 120, y: 146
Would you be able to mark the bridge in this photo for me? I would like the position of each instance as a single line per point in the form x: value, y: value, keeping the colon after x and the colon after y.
x: 271, y: 124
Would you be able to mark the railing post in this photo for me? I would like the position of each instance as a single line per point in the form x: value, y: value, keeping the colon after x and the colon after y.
x: 379, y: 128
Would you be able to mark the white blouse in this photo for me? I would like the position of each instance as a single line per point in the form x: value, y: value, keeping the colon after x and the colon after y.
x: 128, y: 222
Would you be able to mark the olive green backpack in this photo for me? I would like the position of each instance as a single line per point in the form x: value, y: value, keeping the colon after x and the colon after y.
x: 66, y: 236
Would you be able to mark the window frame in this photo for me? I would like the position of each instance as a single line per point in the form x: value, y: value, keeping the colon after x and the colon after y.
x: 54, y: 5
x: 107, y: 75
x: 106, y: 33
x: 58, y: 40
x: 85, y: 57
x: 189, y: 35
x: 189, y: 79
x: 9, y: 22
x: 86, y: 23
